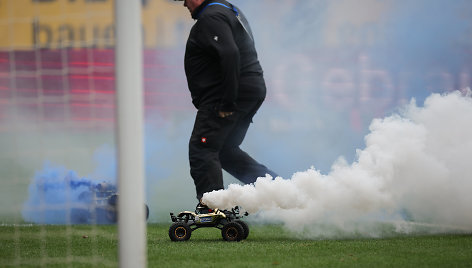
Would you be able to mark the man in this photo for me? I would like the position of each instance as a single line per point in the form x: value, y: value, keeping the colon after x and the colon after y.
x: 227, y: 87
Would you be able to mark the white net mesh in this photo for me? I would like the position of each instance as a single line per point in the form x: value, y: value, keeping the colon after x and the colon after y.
x: 54, y: 111
x: 57, y: 106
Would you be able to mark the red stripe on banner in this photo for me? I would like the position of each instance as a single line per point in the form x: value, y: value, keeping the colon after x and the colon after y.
x: 94, y: 77
x: 88, y: 91
x: 88, y: 63
x: 79, y: 84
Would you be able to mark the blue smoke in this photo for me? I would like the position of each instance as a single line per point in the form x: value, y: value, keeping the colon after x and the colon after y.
x: 54, y: 193
x: 427, y: 43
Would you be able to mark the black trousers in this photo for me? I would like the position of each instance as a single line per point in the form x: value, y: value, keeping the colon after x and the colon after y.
x: 214, y: 145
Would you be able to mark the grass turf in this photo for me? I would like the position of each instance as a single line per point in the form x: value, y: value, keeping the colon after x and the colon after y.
x: 267, y: 246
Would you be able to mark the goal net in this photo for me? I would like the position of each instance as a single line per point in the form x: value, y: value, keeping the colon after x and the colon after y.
x: 58, y: 85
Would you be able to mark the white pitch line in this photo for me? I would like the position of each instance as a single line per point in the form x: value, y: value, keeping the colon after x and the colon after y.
x: 433, y: 225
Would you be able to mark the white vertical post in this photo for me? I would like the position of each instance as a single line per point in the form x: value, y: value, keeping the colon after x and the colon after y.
x: 129, y: 112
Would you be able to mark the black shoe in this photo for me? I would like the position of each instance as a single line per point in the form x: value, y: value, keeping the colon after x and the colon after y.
x: 202, y: 209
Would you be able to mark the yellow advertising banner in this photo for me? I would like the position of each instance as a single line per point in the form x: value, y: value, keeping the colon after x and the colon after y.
x: 28, y: 24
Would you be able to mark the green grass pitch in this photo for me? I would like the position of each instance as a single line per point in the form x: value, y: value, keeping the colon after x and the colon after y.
x: 267, y: 246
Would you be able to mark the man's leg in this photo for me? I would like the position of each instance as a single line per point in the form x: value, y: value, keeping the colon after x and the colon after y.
x: 242, y: 166
x: 208, y: 135
x: 234, y: 160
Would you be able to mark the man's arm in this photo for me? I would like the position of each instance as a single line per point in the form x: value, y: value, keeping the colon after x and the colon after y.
x: 216, y: 37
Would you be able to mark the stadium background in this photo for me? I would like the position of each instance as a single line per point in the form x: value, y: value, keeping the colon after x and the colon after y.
x: 330, y: 66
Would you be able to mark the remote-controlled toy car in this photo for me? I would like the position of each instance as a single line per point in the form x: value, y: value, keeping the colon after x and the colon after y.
x: 98, y: 205
x: 228, y: 221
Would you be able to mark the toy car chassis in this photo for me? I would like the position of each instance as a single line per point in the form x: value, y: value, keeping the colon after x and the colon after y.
x: 98, y: 205
x: 228, y: 221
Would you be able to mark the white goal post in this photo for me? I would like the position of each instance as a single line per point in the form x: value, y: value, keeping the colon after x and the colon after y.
x: 130, y: 148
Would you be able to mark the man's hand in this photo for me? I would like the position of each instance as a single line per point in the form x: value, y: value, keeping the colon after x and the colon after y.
x: 224, y: 114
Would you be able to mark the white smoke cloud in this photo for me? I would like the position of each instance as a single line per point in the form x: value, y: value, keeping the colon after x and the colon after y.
x: 415, y: 168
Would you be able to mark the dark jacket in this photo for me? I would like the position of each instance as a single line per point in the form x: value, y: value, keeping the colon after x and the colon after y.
x: 220, y: 59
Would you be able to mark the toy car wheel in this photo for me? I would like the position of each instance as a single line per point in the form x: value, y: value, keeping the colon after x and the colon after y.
x: 232, y: 231
x: 180, y: 231
x: 113, y: 200
x: 113, y: 203
x: 147, y: 211
x: 245, y: 228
